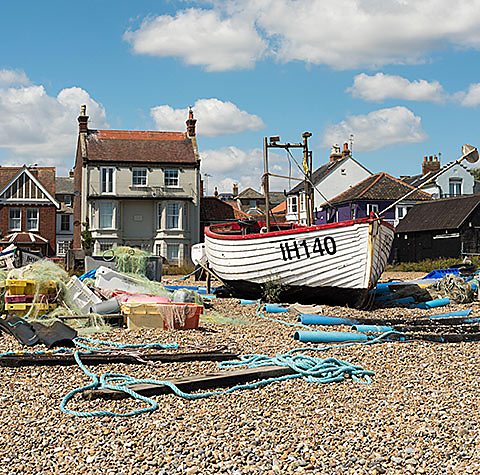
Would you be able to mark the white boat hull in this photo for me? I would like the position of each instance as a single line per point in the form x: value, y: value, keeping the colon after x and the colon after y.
x: 336, y: 264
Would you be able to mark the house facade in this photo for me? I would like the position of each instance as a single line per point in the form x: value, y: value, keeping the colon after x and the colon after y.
x: 457, y: 181
x: 64, y: 194
x: 331, y: 179
x: 138, y: 189
x: 28, y: 208
x: 439, y: 228
x: 372, y: 195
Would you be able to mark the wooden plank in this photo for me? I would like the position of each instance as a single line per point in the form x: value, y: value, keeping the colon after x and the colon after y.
x: 112, y: 357
x: 197, y: 382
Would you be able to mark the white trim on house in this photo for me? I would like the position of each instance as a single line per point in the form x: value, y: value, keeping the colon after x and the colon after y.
x: 24, y: 171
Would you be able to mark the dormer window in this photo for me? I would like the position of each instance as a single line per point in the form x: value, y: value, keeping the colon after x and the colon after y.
x: 139, y: 177
x: 292, y: 204
x: 67, y: 200
x: 171, y: 177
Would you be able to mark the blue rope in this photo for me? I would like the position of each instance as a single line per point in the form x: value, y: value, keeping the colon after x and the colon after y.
x: 313, y: 370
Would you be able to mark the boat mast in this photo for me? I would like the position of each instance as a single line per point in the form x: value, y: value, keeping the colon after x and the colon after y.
x: 272, y: 142
x: 266, y: 183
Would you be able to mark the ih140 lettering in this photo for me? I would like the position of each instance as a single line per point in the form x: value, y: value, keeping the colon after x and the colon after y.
x: 298, y: 249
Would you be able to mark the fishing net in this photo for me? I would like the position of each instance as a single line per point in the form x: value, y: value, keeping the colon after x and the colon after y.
x: 49, y: 282
x: 212, y: 316
x: 129, y: 260
x: 453, y: 287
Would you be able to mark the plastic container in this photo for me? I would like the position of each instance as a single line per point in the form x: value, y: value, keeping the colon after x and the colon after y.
x: 22, y: 309
x: 79, y: 293
x: 179, y: 316
x: 439, y: 273
x: 28, y: 287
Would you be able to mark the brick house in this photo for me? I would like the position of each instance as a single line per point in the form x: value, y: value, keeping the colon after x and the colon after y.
x: 28, y: 208
x: 138, y: 188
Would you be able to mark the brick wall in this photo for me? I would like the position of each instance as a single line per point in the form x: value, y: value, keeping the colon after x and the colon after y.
x: 47, y: 221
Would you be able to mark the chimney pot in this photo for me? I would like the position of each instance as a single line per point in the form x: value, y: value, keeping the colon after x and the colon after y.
x: 83, y: 120
x: 191, y: 122
x: 430, y: 164
x: 235, y: 189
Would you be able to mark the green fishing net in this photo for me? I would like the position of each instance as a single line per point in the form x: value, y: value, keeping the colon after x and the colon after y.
x: 50, y: 284
x: 129, y: 260
x: 212, y: 316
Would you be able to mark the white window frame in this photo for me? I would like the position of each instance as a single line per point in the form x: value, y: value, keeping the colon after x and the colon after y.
x: 67, y: 199
x: 457, y: 185
x: 63, y: 247
x: 100, y: 205
x: 35, y: 219
x: 302, y: 202
x: 11, y: 219
x: 142, y: 176
x: 173, y: 260
x: 69, y: 222
x: 292, y: 203
x: 107, y: 180
x: 372, y: 208
x: 172, y: 181
x: 170, y: 215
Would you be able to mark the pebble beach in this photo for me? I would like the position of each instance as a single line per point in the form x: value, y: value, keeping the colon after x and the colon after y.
x: 420, y: 414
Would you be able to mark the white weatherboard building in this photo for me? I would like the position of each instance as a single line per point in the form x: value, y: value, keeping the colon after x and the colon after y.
x: 331, y: 179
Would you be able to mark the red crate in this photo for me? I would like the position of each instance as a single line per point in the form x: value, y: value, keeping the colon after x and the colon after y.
x: 27, y: 298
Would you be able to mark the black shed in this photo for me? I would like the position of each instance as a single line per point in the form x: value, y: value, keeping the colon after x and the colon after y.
x: 439, y: 228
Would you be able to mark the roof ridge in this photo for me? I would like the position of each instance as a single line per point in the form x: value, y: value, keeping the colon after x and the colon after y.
x: 380, y: 175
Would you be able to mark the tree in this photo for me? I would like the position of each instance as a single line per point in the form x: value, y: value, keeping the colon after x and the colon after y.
x: 476, y: 173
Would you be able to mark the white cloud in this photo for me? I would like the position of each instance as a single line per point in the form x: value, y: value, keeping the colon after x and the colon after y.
x: 36, y: 127
x: 345, y: 34
x: 381, y: 86
x: 200, y: 37
x: 377, y: 129
x: 232, y: 165
x: 10, y: 77
x: 215, y: 118
x: 471, y: 98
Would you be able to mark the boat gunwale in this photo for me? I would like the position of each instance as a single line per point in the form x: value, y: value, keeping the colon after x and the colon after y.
x: 209, y: 230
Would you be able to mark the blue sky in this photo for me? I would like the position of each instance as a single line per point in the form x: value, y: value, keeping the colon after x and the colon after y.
x: 402, y: 76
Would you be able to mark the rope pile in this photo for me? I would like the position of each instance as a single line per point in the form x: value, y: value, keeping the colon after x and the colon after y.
x: 311, y: 369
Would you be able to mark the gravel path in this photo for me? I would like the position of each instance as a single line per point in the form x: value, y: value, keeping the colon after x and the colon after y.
x: 419, y: 415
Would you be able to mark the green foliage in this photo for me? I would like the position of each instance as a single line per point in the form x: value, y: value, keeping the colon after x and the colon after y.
x: 87, y: 239
x: 178, y: 270
x: 476, y: 173
x: 429, y: 264
x: 273, y: 290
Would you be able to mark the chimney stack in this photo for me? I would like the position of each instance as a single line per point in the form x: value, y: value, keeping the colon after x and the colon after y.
x: 83, y: 120
x: 430, y: 164
x: 346, y: 151
x: 215, y: 193
x: 335, y: 153
x: 235, y: 189
x: 191, y: 124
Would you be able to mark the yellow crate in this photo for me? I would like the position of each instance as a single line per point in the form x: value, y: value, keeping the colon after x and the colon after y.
x: 21, y: 309
x: 27, y: 287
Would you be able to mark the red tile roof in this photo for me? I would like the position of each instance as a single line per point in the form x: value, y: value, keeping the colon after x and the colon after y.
x: 212, y: 209
x: 380, y: 186
x: 140, y: 147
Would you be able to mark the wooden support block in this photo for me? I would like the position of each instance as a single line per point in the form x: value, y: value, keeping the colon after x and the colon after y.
x: 62, y: 359
x: 197, y: 382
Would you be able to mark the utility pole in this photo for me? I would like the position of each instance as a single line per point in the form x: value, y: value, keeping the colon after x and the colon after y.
x: 265, y: 183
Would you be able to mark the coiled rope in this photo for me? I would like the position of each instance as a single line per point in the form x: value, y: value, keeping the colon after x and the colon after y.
x: 313, y: 370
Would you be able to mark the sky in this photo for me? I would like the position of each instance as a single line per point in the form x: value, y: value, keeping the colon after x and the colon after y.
x: 402, y: 77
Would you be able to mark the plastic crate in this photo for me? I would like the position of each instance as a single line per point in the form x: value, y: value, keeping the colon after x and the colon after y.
x: 28, y: 287
x: 439, y: 273
x: 21, y: 309
x: 162, y: 315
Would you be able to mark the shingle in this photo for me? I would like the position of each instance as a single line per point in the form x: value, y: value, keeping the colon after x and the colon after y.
x: 447, y: 213
x: 64, y: 185
x: 213, y: 209
x: 380, y: 186
x: 140, y: 147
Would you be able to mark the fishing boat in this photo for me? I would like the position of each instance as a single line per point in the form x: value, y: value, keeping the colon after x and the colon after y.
x: 336, y: 263
x: 332, y: 263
